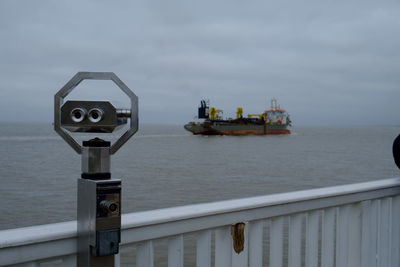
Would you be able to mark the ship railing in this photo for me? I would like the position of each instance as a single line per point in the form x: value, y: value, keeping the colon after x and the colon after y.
x: 355, y: 225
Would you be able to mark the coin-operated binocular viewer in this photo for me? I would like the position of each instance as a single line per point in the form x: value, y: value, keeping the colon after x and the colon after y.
x: 99, y: 196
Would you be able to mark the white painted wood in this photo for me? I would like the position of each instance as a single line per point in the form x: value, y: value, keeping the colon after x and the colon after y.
x: 36, y: 243
x: 375, y: 222
x: 395, y: 261
x: 29, y: 264
x: 70, y: 261
x: 37, y: 234
x: 294, y: 258
x: 203, y: 248
x: 328, y: 238
x: 276, y: 242
x: 312, y: 231
x: 145, y: 254
x: 161, y: 223
x: 366, y: 240
x: 223, y: 247
x: 242, y: 259
x: 384, y: 245
x: 39, y: 243
x: 341, y: 237
x: 354, y: 236
x: 256, y: 243
x: 175, y: 251
x: 117, y: 260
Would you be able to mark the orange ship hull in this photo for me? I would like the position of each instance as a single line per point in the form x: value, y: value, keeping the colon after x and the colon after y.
x: 236, y: 129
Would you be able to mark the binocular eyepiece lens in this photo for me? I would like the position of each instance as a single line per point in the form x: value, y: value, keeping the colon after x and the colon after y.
x: 95, y: 115
x: 78, y: 114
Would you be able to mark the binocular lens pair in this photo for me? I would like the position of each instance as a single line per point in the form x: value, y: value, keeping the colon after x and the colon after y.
x: 78, y: 114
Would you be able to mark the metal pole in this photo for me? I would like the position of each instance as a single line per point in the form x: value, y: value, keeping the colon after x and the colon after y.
x: 99, y: 207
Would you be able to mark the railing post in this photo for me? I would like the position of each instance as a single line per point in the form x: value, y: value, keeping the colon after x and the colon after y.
x: 145, y: 254
x: 396, y: 231
x: 256, y: 243
x: 276, y: 242
x: 294, y: 246
x: 342, y: 236
x: 223, y: 247
x: 312, y: 232
x: 328, y: 238
x: 203, y: 249
x: 354, y: 236
x: 69, y: 261
x: 385, y: 233
x: 175, y: 251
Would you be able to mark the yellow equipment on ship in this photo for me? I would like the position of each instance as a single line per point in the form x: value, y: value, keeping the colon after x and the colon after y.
x: 214, y: 113
x: 239, y: 113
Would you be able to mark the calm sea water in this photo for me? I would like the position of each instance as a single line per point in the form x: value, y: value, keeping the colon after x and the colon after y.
x: 163, y: 166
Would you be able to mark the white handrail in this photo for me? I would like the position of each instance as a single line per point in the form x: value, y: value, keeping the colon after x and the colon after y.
x: 152, y: 217
x: 41, y: 242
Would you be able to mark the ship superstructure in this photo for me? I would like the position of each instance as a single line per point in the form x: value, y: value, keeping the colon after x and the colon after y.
x: 210, y: 121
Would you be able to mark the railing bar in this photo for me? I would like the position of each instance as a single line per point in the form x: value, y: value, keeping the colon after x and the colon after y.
x: 175, y: 251
x: 117, y: 260
x: 354, y: 236
x: 28, y: 264
x: 294, y: 253
x: 390, y: 199
x: 375, y: 236
x: 256, y: 243
x: 276, y: 242
x: 37, y: 251
x: 69, y: 261
x: 197, y: 223
x: 312, y: 239
x: 366, y: 240
x: 241, y: 259
x: 342, y: 234
x: 328, y: 238
x: 267, y: 242
x: 385, y: 233
x: 203, y: 249
x: 223, y: 245
x: 145, y: 254
x: 396, y: 232
x: 176, y: 221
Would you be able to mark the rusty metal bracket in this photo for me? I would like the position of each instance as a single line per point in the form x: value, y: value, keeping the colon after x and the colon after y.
x: 237, y: 232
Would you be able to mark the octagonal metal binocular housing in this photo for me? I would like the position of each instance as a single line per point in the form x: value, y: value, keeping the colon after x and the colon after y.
x: 93, y: 116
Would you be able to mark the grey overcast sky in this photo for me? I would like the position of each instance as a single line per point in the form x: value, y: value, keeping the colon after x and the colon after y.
x: 327, y: 62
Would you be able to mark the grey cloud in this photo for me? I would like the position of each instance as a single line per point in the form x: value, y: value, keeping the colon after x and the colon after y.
x: 313, y: 56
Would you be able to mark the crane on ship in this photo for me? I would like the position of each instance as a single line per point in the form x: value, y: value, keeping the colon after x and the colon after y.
x: 239, y: 113
x: 216, y: 114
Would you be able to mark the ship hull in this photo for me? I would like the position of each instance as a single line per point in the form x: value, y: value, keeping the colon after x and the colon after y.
x: 218, y: 128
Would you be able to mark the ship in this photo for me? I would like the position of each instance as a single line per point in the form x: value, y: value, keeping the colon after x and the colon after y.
x: 210, y: 121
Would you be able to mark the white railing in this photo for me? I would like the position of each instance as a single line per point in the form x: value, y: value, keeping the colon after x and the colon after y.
x: 354, y: 225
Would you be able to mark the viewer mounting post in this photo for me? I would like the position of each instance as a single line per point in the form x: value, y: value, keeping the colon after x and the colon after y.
x: 99, y: 196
